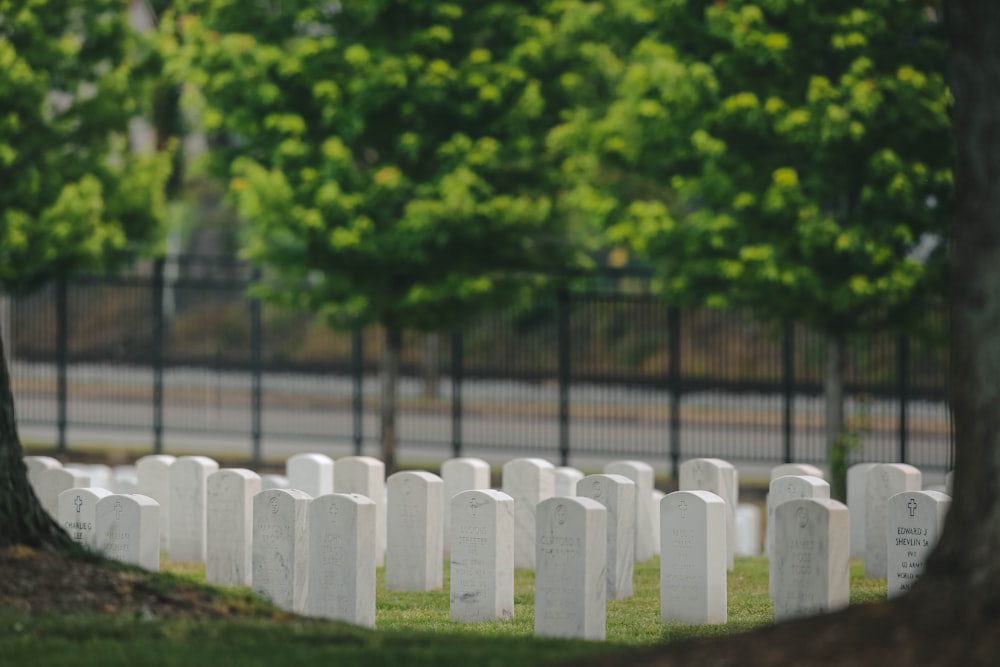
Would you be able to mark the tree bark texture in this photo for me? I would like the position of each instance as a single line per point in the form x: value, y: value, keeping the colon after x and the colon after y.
x: 833, y: 394
x: 963, y: 574
x: 389, y: 377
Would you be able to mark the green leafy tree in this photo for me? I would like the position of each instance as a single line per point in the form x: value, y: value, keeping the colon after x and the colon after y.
x: 791, y: 157
x: 73, y: 196
x: 389, y: 158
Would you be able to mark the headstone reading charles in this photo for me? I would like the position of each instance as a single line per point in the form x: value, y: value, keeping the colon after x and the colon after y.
x: 152, y: 474
x: 641, y: 474
x: 721, y: 478
x: 188, y: 507
x: 280, y: 551
x: 230, y: 493
x: 414, y: 559
x: 748, y: 525
x: 883, y: 481
x: 797, y: 469
x: 482, y: 556
x: 812, y: 550
x: 365, y: 475
x: 915, y: 521
x: 565, y: 479
x: 781, y: 490
x: 53, y: 481
x: 128, y: 529
x: 570, y: 564
x: 617, y: 494
x: 463, y: 473
x: 857, y: 497
x: 528, y: 481
x: 78, y: 513
x: 693, y: 558
x: 341, y: 563
x: 312, y: 473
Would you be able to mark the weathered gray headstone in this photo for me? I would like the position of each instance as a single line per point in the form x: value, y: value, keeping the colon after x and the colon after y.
x: 464, y: 473
x: 812, y: 550
x: 857, y: 496
x: 781, y: 490
x: 915, y: 521
x: 565, y: 479
x: 883, y: 481
x: 797, y: 469
x: 365, y: 475
x: 188, y: 507
x: 617, y: 494
x: 570, y: 580
x: 53, y: 481
x: 721, y: 478
x: 342, y: 558
x: 482, y: 556
x: 280, y: 553
x: 641, y: 474
x: 693, y: 558
x: 78, y: 513
x: 128, y: 529
x: 230, y: 495
x: 152, y: 474
x: 414, y: 559
x: 528, y: 481
x: 748, y: 529
x: 312, y: 473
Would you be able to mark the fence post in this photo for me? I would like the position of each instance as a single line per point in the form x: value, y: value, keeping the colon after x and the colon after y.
x: 357, y: 398
x: 62, y: 360
x: 788, y: 387
x: 563, y: 343
x: 903, y: 379
x: 256, y: 373
x: 674, y: 359
x: 456, y: 393
x: 158, y: 338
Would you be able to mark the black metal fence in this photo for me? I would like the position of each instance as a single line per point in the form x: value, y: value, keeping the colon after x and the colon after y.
x: 600, y: 368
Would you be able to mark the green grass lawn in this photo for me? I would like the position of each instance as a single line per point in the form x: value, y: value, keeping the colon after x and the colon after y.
x: 412, y: 629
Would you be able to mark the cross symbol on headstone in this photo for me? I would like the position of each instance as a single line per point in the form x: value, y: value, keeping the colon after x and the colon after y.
x: 79, y: 503
x: 913, y: 506
x: 117, y: 510
x: 682, y: 506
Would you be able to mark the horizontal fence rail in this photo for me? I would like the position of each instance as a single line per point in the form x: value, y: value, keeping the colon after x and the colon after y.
x: 600, y: 368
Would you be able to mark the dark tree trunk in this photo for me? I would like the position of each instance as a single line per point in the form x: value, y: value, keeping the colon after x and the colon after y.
x: 389, y: 376
x: 963, y: 574
x: 833, y: 394
x: 21, y: 515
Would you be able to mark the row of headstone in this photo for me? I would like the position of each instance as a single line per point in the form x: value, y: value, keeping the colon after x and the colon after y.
x: 124, y: 527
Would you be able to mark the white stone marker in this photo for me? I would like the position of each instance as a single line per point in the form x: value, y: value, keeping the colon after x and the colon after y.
x: 564, y: 481
x: 857, y: 496
x: 693, y: 558
x: 617, y: 494
x: 341, y: 579
x: 482, y: 556
x: 915, y: 521
x: 35, y: 465
x: 365, y: 475
x: 797, y: 469
x: 100, y: 475
x: 781, y: 490
x: 53, y: 481
x: 312, y: 473
x: 721, y: 478
x: 271, y: 481
x: 463, y: 473
x: 124, y: 480
x: 641, y: 473
x: 570, y: 580
x: 414, y: 559
x: 883, y: 481
x: 188, y: 507
x: 153, y: 477
x: 128, y: 529
x: 78, y: 513
x: 528, y: 481
x: 812, y: 550
x: 748, y: 529
x: 280, y: 547
x: 229, y: 498
x: 657, y: 498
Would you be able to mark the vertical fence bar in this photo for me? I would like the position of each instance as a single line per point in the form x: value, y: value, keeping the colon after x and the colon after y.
x: 158, y: 339
x: 903, y: 379
x: 62, y: 360
x: 456, y: 393
x: 563, y: 343
x: 256, y: 374
x: 674, y: 380
x: 357, y: 399
x: 788, y: 388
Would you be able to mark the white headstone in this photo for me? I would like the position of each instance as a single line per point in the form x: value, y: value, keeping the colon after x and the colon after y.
x: 78, y: 513
x: 693, y: 558
x: 463, y: 473
x: 312, y: 473
x: 748, y: 529
x: 230, y: 493
x: 797, y: 469
x: 883, y: 481
x: 915, y: 521
x: 153, y: 477
x: 812, y: 550
x: 280, y: 553
x: 641, y: 474
x: 100, y: 475
x: 414, y: 559
x: 570, y: 569
x: 658, y: 497
x: 342, y: 558
x: 482, y: 556
x: 857, y: 496
x: 128, y: 529
x: 188, y: 511
x: 564, y: 481
x: 617, y: 494
x: 721, y: 478
x: 528, y: 481
x: 272, y: 481
x: 781, y: 490
x: 365, y: 475
x: 124, y: 479
x: 35, y: 465
x: 53, y: 481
